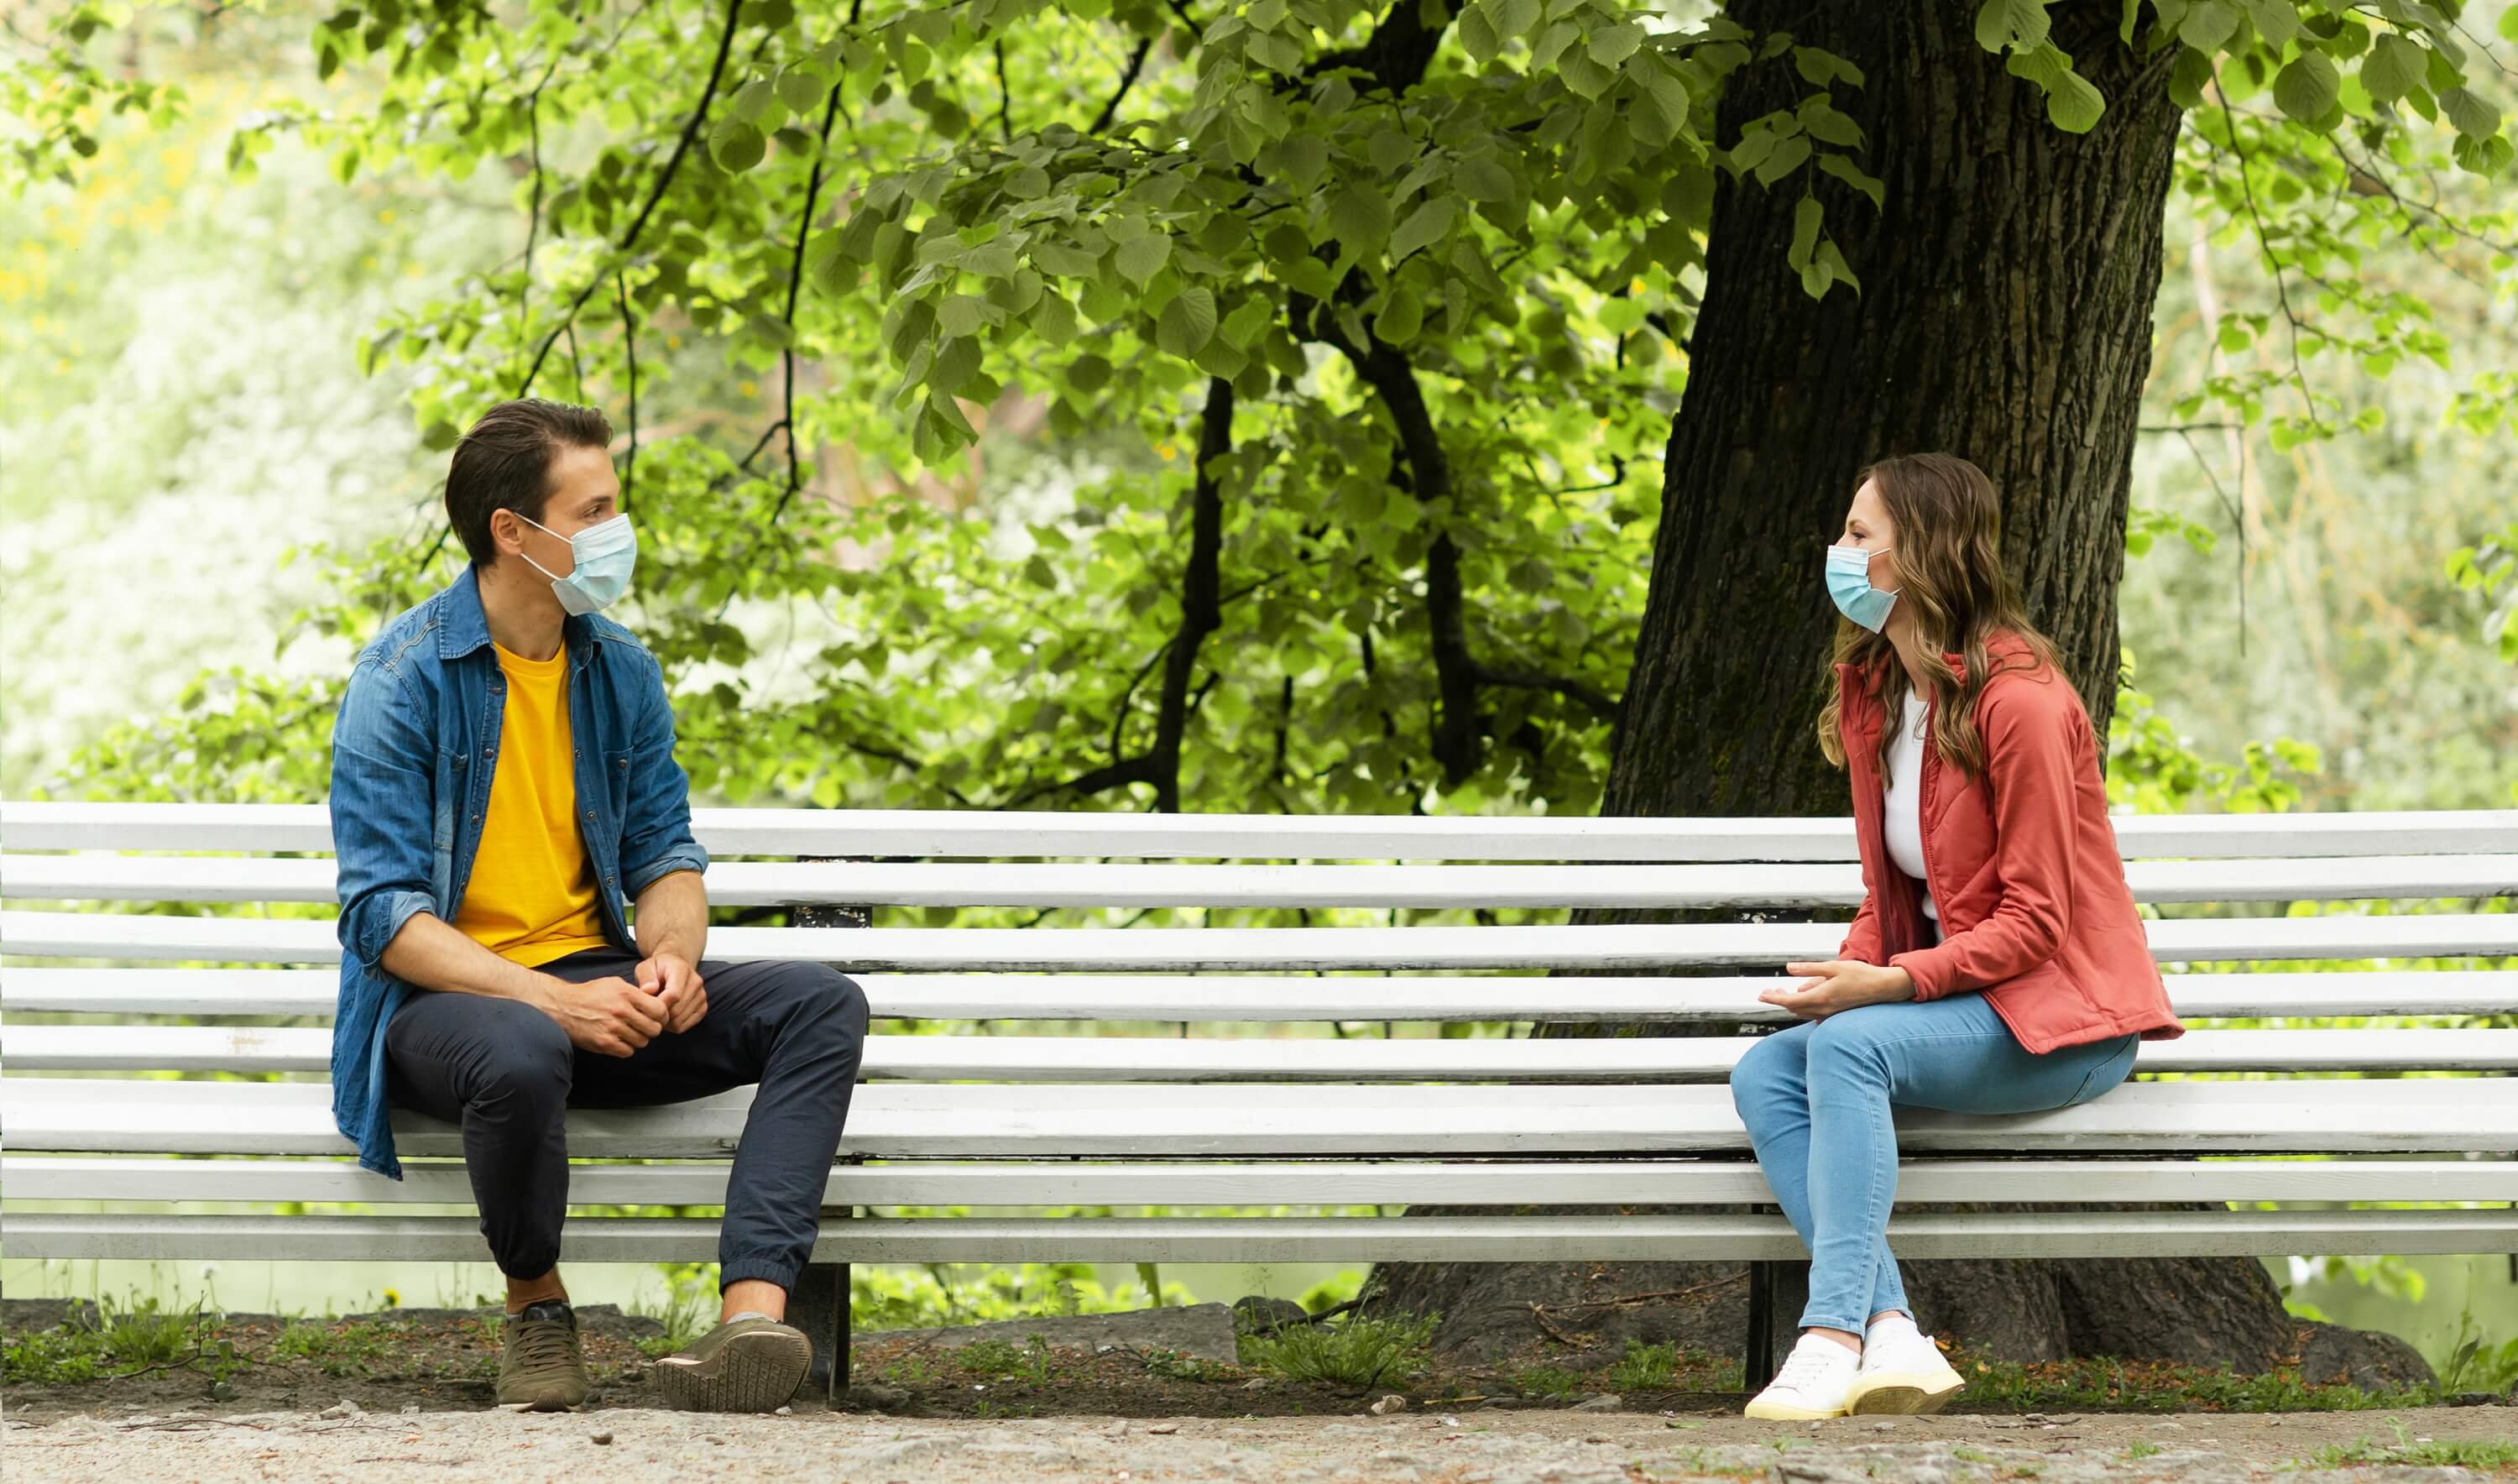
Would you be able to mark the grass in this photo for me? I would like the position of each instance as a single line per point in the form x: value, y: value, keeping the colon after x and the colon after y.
x: 1001, y: 1360
x: 1172, y: 1365
x: 357, y: 1348
x: 2467, y: 1452
x: 1547, y: 1380
x: 1352, y: 1352
x: 1668, y: 1368
x: 689, y: 1313
x: 2112, y: 1385
x: 128, y: 1339
x: 2142, y: 1448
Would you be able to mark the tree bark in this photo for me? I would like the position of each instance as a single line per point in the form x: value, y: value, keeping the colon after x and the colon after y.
x: 2005, y: 316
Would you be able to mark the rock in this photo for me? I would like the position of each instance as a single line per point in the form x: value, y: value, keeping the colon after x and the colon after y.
x: 1164, y: 1429
x: 1255, y: 1383
x: 2362, y: 1358
x: 342, y: 1408
x: 1202, y: 1331
x: 226, y: 1391
x: 1608, y: 1403
x: 2473, y: 1399
x: 21, y: 1314
x: 410, y: 1408
x: 1262, y: 1314
x: 874, y: 1396
x: 1389, y: 1404
x: 601, y: 1439
x: 786, y: 1411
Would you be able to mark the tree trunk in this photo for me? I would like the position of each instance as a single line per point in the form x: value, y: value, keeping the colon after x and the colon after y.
x: 2005, y: 316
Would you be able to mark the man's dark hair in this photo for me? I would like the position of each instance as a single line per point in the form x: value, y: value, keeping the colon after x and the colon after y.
x: 505, y: 465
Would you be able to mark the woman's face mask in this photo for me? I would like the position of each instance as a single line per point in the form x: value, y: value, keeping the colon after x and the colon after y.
x: 1848, y: 582
x: 605, y: 551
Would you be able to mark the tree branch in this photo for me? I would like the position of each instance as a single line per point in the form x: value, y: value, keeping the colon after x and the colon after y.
x: 1127, y: 80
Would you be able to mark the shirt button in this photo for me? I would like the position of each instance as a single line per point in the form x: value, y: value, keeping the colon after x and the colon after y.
x: 623, y: 763
x: 590, y: 813
x: 476, y: 819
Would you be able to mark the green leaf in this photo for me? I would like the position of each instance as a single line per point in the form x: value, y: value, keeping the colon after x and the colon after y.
x: 2275, y: 21
x: 801, y: 91
x: 1478, y: 35
x: 2308, y: 87
x: 2474, y: 115
x: 2393, y: 68
x: 1187, y: 322
x: 1805, y: 222
x: 1846, y: 170
x: 963, y: 314
x: 1402, y: 315
x: 2508, y: 27
x: 1064, y: 259
x: 2015, y: 23
x: 1484, y: 179
x: 1425, y: 225
x: 1359, y: 216
x: 1053, y: 318
x: 2073, y: 102
x: 1139, y: 260
x: 1088, y: 374
x: 736, y: 146
x: 1784, y: 160
x: 2209, y: 24
x: 1610, y: 45
x: 750, y: 101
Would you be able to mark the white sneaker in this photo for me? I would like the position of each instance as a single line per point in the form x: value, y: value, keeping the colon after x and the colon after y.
x: 1901, y: 1373
x: 1811, y: 1385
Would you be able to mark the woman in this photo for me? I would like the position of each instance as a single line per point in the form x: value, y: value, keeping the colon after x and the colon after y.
x: 1997, y: 965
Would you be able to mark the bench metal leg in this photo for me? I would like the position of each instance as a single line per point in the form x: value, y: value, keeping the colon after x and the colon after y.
x: 1757, y: 1353
x: 819, y: 1307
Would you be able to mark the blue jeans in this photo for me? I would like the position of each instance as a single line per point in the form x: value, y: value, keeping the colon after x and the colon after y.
x: 1816, y: 1099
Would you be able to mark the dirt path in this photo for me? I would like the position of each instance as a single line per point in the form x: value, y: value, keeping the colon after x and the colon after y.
x: 631, y: 1445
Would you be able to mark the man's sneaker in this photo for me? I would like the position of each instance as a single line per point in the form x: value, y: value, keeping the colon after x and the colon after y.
x: 543, y: 1366
x: 1811, y: 1385
x: 743, y: 1365
x: 1902, y: 1373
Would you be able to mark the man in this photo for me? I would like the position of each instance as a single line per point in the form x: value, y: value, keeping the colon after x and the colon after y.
x: 503, y: 784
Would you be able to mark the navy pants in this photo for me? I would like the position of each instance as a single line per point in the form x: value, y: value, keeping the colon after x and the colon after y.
x: 507, y: 1074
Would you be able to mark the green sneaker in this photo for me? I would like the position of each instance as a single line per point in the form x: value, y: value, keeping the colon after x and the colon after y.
x: 743, y: 1365
x: 543, y: 1367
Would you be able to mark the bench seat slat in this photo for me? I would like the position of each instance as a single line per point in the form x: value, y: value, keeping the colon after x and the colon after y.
x: 1166, y: 1059
x: 1708, y: 1236
x: 1715, y: 999
x: 997, y: 1121
x: 236, y: 939
x: 924, y: 883
x: 1920, y: 1180
x: 927, y: 834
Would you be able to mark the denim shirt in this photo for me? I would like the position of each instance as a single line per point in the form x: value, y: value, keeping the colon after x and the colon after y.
x: 413, y: 752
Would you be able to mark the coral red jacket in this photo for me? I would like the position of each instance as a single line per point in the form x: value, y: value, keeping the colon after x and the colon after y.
x: 2022, y: 864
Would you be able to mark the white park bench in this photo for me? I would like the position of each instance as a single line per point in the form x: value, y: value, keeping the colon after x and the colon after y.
x: 105, y: 1148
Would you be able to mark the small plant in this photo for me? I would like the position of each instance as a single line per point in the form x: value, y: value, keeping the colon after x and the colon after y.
x: 2474, y: 1364
x: 912, y: 1370
x: 1645, y: 1368
x: 1547, y: 1380
x: 1172, y: 1365
x: 687, y: 1313
x: 2467, y: 1452
x: 987, y: 1357
x: 1354, y: 1352
x: 2141, y: 1448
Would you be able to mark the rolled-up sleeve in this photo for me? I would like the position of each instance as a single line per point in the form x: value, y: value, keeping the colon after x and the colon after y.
x: 656, y: 831
x: 383, y: 806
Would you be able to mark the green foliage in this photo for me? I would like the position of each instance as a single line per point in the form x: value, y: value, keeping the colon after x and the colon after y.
x: 2489, y: 569
x: 2411, y: 1452
x: 2115, y: 1386
x: 999, y: 1360
x: 1668, y: 1367
x: 1547, y: 1380
x: 123, y: 1339
x: 1349, y: 1352
x: 689, y: 1311
x: 2476, y: 1364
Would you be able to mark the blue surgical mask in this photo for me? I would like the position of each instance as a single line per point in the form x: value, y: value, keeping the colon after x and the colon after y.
x: 1849, y: 582
x: 605, y: 551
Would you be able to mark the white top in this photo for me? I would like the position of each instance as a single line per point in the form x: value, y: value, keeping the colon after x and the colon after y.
x: 1904, y: 788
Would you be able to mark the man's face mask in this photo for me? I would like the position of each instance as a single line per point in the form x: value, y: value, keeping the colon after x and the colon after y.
x: 606, y: 552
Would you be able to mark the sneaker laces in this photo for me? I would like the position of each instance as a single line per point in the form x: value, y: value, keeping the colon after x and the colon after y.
x: 1804, y: 1366
x: 545, y: 1342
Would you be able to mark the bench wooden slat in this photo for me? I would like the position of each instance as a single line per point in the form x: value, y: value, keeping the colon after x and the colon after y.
x: 976, y: 833
x: 1708, y: 1236
x: 1225, y: 997
x: 964, y: 883
x: 1166, y: 1059
x: 1921, y: 1180
x: 244, y: 939
x: 997, y: 1120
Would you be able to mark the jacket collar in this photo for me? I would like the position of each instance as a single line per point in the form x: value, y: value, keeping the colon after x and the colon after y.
x: 464, y: 627
x: 1854, y: 681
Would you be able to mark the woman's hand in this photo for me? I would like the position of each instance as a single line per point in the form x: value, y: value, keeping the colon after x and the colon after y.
x: 1840, y: 983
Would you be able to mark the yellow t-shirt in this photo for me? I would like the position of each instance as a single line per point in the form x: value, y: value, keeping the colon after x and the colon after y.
x: 531, y: 898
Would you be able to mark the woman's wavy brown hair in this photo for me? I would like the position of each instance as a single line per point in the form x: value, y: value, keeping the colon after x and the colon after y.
x: 1948, y: 538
